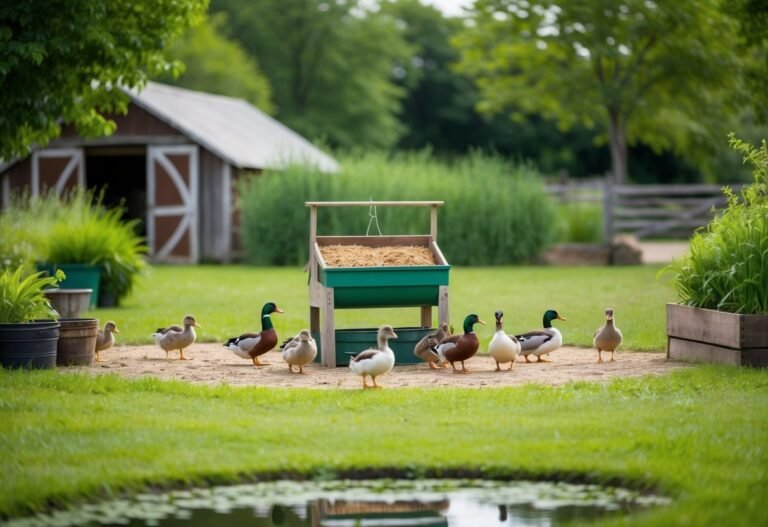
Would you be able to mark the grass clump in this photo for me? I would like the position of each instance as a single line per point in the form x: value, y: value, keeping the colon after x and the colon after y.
x: 726, y: 267
x: 678, y: 434
x: 495, y: 213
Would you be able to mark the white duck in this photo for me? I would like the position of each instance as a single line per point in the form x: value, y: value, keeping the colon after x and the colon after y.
x: 542, y: 341
x: 177, y: 338
x: 375, y: 361
x: 608, y: 337
x: 503, y: 348
x: 300, y: 350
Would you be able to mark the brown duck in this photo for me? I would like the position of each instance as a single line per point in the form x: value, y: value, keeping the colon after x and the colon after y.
x: 253, y: 345
x: 177, y: 338
x: 458, y: 348
x: 608, y: 337
x: 105, y: 339
x: 423, y: 348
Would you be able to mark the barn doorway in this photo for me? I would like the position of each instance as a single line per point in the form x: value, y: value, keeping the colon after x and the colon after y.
x: 122, y: 173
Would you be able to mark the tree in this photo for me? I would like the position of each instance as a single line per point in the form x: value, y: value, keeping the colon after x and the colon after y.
x: 331, y: 66
x: 62, y: 60
x: 215, y: 64
x: 663, y: 73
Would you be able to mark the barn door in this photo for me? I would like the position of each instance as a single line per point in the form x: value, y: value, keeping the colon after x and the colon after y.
x: 172, y: 202
x: 57, y: 168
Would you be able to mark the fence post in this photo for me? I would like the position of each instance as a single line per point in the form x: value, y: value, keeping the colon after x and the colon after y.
x: 608, y: 204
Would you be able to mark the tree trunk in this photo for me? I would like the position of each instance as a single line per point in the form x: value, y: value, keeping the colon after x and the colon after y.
x: 618, y: 134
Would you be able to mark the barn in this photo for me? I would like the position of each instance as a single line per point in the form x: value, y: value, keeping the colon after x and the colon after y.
x: 174, y: 162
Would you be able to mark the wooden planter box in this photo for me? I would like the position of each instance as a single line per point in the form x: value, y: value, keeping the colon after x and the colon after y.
x: 704, y: 335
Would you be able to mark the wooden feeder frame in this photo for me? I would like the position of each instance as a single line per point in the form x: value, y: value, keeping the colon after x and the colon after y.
x: 322, y: 296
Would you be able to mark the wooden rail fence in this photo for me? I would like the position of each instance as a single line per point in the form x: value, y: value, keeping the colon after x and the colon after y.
x: 647, y: 211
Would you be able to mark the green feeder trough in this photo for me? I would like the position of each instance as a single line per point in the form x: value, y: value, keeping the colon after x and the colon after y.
x: 421, y: 286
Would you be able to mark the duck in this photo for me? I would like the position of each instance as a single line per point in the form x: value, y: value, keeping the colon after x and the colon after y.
x: 106, y: 338
x: 423, y: 348
x: 375, y: 361
x: 542, y: 341
x: 503, y: 348
x: 608, y: 337
x: 253, y: 345
x: 458, y: 348
x: 300, y: 350
x: 177, y: 338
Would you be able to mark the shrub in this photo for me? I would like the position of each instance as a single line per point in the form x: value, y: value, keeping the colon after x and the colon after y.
x: 726, y: 267
x: 580, y: 223
x: 495, y: 212
x: 22, y: 298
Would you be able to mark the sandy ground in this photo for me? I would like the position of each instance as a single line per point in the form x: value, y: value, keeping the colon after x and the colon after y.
x: 663, y: 251
x: 212, y: 364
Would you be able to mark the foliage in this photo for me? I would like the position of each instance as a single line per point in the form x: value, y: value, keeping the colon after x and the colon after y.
x: 61, y: 60
x: 330, y: 65
x: 727, y: 266
x: 677, y: 433
x: 77, y: 229
x: 215, y: 64
x: 580, y: 223
x: 22, y: 298
x: 495, y: 213
x: 642, y: 70
x: 214, y: 295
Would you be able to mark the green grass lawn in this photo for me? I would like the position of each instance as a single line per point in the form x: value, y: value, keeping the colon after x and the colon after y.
x: 699, y: 435
x: 227, y: 301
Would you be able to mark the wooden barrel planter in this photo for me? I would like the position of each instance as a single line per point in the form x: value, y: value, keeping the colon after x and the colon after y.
x: 69, y: 303
x: 77, y: 341
x: 30, y: 345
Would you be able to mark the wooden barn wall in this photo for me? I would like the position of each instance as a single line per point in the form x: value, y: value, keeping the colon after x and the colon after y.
x: 137, y: 124
x: 214, y: 224
x: 14, y: 179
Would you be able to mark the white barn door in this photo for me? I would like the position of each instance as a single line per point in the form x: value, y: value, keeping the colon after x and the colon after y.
x: 61, y: 169
x: 172, y: 203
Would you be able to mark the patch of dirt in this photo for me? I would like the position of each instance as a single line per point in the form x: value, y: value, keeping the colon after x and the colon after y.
x: 213, y: 364
x: 388, y: 256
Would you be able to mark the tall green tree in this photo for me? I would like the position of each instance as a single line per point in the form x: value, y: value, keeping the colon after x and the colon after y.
x: 61, y: 60
x: 666, y: 74
x: 215, y: 64
x: 331, y: 66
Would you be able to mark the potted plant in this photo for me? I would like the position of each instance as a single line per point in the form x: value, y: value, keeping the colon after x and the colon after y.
x: 722, y: 281
x: 27, y: 339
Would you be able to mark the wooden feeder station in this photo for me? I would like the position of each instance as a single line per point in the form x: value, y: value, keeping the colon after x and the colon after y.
x: 330, y: 288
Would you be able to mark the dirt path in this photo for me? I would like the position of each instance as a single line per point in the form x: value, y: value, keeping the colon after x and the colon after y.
x: 212, y: 364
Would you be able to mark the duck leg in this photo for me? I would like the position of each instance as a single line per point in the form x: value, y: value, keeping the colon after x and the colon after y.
x: 290, y: 368
x: 498, y: 367
x: 301, y: 370
x: 612, y: 359
x: 433, y: 366
x: 599, y: 356
x: 365, y: 384
x: 181, y: 355
x: 539, y: 359
x: 98, y: 359
x: 510, y: 366
x: 374, y: 382
x: 166, y: 355
x: 257, y: 363
x: 526, y: 358
x: 463, y: 368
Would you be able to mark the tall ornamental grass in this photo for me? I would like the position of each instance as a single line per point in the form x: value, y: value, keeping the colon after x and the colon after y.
x: 726, y: 267
x: 580, y: 223
x: 494, y: 213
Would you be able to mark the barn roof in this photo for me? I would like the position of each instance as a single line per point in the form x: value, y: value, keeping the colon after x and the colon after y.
x: 233, y: 129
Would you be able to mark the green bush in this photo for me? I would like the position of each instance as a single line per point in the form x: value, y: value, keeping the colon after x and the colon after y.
x: 76, y: 229
x: 494, y: 213
x: 22, y: 298
x: 580, y: 223
x: 726, y: 267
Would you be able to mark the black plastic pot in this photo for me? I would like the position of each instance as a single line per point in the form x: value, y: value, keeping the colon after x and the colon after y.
x: 30, y: 345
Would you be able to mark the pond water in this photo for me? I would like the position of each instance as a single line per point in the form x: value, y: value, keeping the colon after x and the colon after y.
x: 390, y: 503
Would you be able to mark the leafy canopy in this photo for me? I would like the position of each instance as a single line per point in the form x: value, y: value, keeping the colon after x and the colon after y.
x: 215, y: 64
x: 666, y: 74
x: 61, y: 60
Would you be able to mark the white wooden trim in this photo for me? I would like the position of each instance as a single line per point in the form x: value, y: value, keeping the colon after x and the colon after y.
x: 34, y: 183
x: 76, y: 161
x: 187, y: 211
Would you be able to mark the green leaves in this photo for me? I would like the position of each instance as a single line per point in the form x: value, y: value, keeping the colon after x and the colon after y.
x: 22, y: 298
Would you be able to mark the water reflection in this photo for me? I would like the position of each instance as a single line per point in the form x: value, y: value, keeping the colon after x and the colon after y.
x: 385, y: 503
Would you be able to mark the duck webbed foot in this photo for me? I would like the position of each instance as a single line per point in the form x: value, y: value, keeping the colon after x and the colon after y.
x: 433, y: 365
x: 539, y: 359
x: 182, y: 357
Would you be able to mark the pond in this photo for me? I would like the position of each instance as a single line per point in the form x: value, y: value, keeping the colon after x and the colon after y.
x: 392, y: 503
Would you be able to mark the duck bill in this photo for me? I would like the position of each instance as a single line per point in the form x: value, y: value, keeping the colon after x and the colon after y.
x: 561, y: 318
x: 278, y: 310
x: 198, y: 325
x: 394, y: 335
x: 480, y: 322
x: 115, y: 330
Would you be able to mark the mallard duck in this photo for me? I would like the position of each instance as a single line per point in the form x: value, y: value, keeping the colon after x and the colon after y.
x: 542, y: 341
x: 253, y: 345
x: 105, y: 339
x: 300, y: 350
x: 375, y: 361
x: 177, y: 338
x: 423, y: 348
x: 608, y: 337
x: 503, y: 348
x: 458, y: 348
